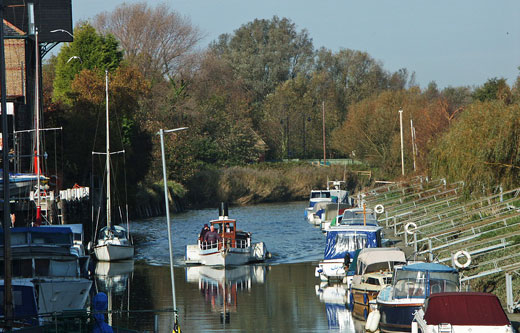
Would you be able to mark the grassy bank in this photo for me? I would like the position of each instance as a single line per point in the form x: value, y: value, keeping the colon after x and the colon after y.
x: 266, y: 182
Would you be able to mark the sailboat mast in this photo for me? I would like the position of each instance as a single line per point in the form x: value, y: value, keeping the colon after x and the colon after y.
x: 109, y: 219
x: 8, y: 303
x: 37, y: 113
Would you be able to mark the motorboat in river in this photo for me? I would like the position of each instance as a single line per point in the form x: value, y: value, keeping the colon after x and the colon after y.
x: 411, y: 285
x: 233, y: 248
x: 374, y: 268
x: 462, y: 312
x: 351, y: 216
x: 333, y: 194
x: 341, y: 245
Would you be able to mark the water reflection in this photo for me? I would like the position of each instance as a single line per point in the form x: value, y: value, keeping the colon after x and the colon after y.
x: 113, y: 278
x: 220, y: 287
x: 279, y: 296
x: 335, y: 297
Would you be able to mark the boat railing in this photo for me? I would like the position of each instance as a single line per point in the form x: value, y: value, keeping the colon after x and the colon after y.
x: 226, y: 242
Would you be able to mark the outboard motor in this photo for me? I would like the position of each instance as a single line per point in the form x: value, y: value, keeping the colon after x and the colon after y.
x: 223, y: 211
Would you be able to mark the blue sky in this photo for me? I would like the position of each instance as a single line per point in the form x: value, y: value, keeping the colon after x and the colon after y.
x: 451, y: 42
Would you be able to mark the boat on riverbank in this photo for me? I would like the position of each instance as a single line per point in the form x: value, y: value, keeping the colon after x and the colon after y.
x: 333, y: 194
x: 350, y: 216
x: 374, y: 270
x: 47, y: 260
x: 341, y: 245
x: 462, y: 312
x: 411, y: 285
x: 233, y: 248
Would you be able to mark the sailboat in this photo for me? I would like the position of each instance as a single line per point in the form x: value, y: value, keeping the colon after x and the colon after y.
x: 113, y: 242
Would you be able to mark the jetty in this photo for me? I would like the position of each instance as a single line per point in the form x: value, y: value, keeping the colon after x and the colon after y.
x: 436, y: 220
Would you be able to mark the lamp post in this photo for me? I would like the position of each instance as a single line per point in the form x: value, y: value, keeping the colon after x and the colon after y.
x: 402, y: 143
x: 74, y: 57
x: 63, y: 30
x: 161, y: 134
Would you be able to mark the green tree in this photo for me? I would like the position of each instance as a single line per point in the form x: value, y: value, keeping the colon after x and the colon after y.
x: 265, y: 53
x: 293, y: 116
x: 89, y: 50
x: 357, y: 75
x: 85, y: 119
x: 482, y: 147
x: 493, y: 89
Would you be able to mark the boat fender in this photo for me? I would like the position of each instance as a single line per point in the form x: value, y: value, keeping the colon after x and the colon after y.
x: 380, y: 209
x: 89, y: 246
x: 373, y: 321
x: 365, y: 299
x: 459, y: 254
x: 410, y: 228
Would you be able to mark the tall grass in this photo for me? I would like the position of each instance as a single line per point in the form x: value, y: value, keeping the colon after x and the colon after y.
x: 268, y: 182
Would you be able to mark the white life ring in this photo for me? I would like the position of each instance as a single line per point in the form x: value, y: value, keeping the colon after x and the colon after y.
x: 459, y: 254
x: 410, y: 228
x: 380, y: 209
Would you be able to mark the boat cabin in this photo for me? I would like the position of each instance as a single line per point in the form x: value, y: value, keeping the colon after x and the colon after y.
x: 230, y: 235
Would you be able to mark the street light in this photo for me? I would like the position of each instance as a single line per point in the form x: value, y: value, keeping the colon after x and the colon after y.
x: 74, y: 57
x: 63, y: 30
x: 161, y: 134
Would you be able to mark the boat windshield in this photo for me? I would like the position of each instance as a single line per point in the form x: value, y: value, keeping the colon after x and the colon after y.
x: 441, y: 282
x: 113, y: 233
x: 320, y: 195
x: 410, y: 284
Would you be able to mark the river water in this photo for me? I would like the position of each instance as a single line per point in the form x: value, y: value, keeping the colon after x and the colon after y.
x: 280, y: 295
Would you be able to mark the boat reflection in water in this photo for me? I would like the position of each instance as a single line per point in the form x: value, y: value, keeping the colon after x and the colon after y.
x: 220, y: 286
x: 113, y: 278
x: 339, y: 317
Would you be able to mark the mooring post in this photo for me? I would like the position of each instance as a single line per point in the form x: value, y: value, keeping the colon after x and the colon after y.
x: 509, y: 292
x: 430, y: 249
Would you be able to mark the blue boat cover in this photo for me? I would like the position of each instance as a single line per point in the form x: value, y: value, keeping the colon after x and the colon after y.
x: 340, y: 242
x: 431, y: 267
x: 46, y: 230
x: 24, y: 299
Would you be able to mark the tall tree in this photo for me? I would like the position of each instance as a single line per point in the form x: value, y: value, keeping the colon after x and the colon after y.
x: 89, y: 50
x: 85, y: 119
x: 265, y: 53
x: 357, y: 75
x: 493, y: 89
x: 482, y: 147
x: 293, y: 120
x: 156, y: 39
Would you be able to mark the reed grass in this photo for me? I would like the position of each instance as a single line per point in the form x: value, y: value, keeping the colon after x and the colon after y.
x: 266, y: 182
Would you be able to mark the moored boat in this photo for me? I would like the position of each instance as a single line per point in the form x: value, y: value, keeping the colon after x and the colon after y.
x: 411, y: 285
x: 113, y: 242
x: 340, y: 247
x: 234, y: 247
x: 47, y: 259
x: 333, y: 194
x: 373, y: 272
x: 462, y: 312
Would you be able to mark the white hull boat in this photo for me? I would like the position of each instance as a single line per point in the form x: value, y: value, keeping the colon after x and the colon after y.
x: 113, y: 242
x: 113, y: 252
x: 233, y: 247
